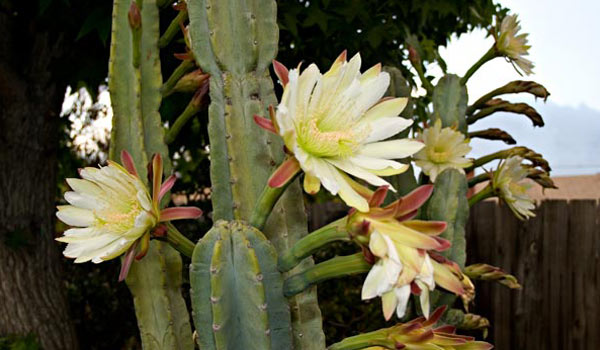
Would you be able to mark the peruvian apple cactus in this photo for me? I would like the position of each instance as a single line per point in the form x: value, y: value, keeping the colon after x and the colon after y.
x: 252, y: 276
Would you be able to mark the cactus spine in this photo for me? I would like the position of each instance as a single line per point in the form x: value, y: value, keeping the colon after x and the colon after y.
x: 235, y: 41
x: 134, y: 83
x: 237, y: 290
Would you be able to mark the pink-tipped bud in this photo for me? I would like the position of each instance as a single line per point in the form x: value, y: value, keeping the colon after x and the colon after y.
x: 134, y: 16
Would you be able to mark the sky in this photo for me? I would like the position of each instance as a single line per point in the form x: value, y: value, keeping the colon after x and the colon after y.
x: 563, y: 36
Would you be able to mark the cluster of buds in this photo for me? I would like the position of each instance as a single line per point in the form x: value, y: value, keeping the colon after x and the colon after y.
x: 404, y: 252
x: 418, y: 334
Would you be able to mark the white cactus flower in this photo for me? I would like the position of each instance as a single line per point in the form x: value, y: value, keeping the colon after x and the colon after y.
x: 112, y: 210
x: 444, y: 148
x: 334, y: 124
x: 513, y: 45
x: 508, y: 184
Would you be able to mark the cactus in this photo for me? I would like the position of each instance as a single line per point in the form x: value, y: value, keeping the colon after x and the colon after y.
x: 450, y: 102
x: 449, y: 203
x: 134, y: 84
x: 234, y: 257
x: 237, y: 56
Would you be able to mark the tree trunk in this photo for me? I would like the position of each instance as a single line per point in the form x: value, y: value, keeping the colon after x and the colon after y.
x: 32, y: 294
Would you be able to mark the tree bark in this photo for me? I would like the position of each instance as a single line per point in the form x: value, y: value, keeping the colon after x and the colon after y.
x: 32, y: 294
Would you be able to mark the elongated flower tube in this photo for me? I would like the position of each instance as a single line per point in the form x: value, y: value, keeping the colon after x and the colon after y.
x: 400, y: 244
x: 334, y: 123
x: 444, y: 148
x: 508, y: 185
x: 513, y: 45
x: 418, y: 334
x: 113, y: 212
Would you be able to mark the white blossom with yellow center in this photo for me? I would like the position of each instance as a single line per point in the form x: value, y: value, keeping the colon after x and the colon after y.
x: 444, y: 148
x: 514, y: 45
x: 507, y: 182
x: 335, y: 122
x: 111, y: 209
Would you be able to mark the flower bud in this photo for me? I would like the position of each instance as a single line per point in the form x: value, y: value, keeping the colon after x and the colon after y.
x: 134, y: 16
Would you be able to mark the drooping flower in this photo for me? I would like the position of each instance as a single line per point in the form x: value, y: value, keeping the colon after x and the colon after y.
x: 444, y: 148
x: 112, y: 211
x: 401, y: 245
x: 507, y: 183
x: 513, y: 45
x: 334, y: 124
x: 418, y: 334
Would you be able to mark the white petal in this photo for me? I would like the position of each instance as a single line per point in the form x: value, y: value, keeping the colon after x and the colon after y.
x: 388, y: 108
x: 387, y: 127
x: 74, y: 216
x: 144, y: 200
x: 352, y: 169
x: 85, y: 187
x: 424, y: 299
x: 83, y: 201
x: 395, y: 149
x: 402, y: 294
x: 375, y: 163
x: 372, y: 91
x: 144, y: 220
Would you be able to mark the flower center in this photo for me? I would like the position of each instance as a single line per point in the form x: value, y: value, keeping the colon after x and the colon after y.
x: 119, y: 219
x: 438, y: 154
x: 321, y: 142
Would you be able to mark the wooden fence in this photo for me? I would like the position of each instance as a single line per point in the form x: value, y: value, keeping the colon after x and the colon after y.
x: 556, y: 258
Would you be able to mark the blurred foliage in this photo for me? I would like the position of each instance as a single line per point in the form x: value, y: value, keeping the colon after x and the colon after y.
x: 311, y: 31
x: 11, y: 342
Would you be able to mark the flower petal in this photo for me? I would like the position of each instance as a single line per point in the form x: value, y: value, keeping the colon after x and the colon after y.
x: 395, y: 149
x: 403, y: 295
x: 166, y: 186
x: 128, y: 163
x: 179, y: 213
x: 387, y: 127
x: 389, y: 302
x: 312, y: 185
x: 265, y: 123
x: 281, y: 71
x: 406, y: 236
x: 427, y: 227
x: 74, y: 216
x: 388, y: 108
x: 157, y: 173
x: 286, y: 171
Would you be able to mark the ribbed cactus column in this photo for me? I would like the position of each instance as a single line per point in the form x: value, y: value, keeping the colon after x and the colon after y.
x: 134, y: 83
x: 237, y: 291
x: 449, y: 200
x: 235, y: 41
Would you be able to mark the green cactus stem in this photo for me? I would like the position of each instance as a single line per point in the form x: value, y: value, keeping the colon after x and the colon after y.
x: 179, y: 241
x: 450, y: 103
x: 184, y: 67
x: 333, y: 232
x: 485, y: 193
x: 236, y: 291
x: 339, y: 266
x: 489, y: 55
x: 173, y: 28
x: 188, y: 113
x: 235, y: 41
x: 134, y: 85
